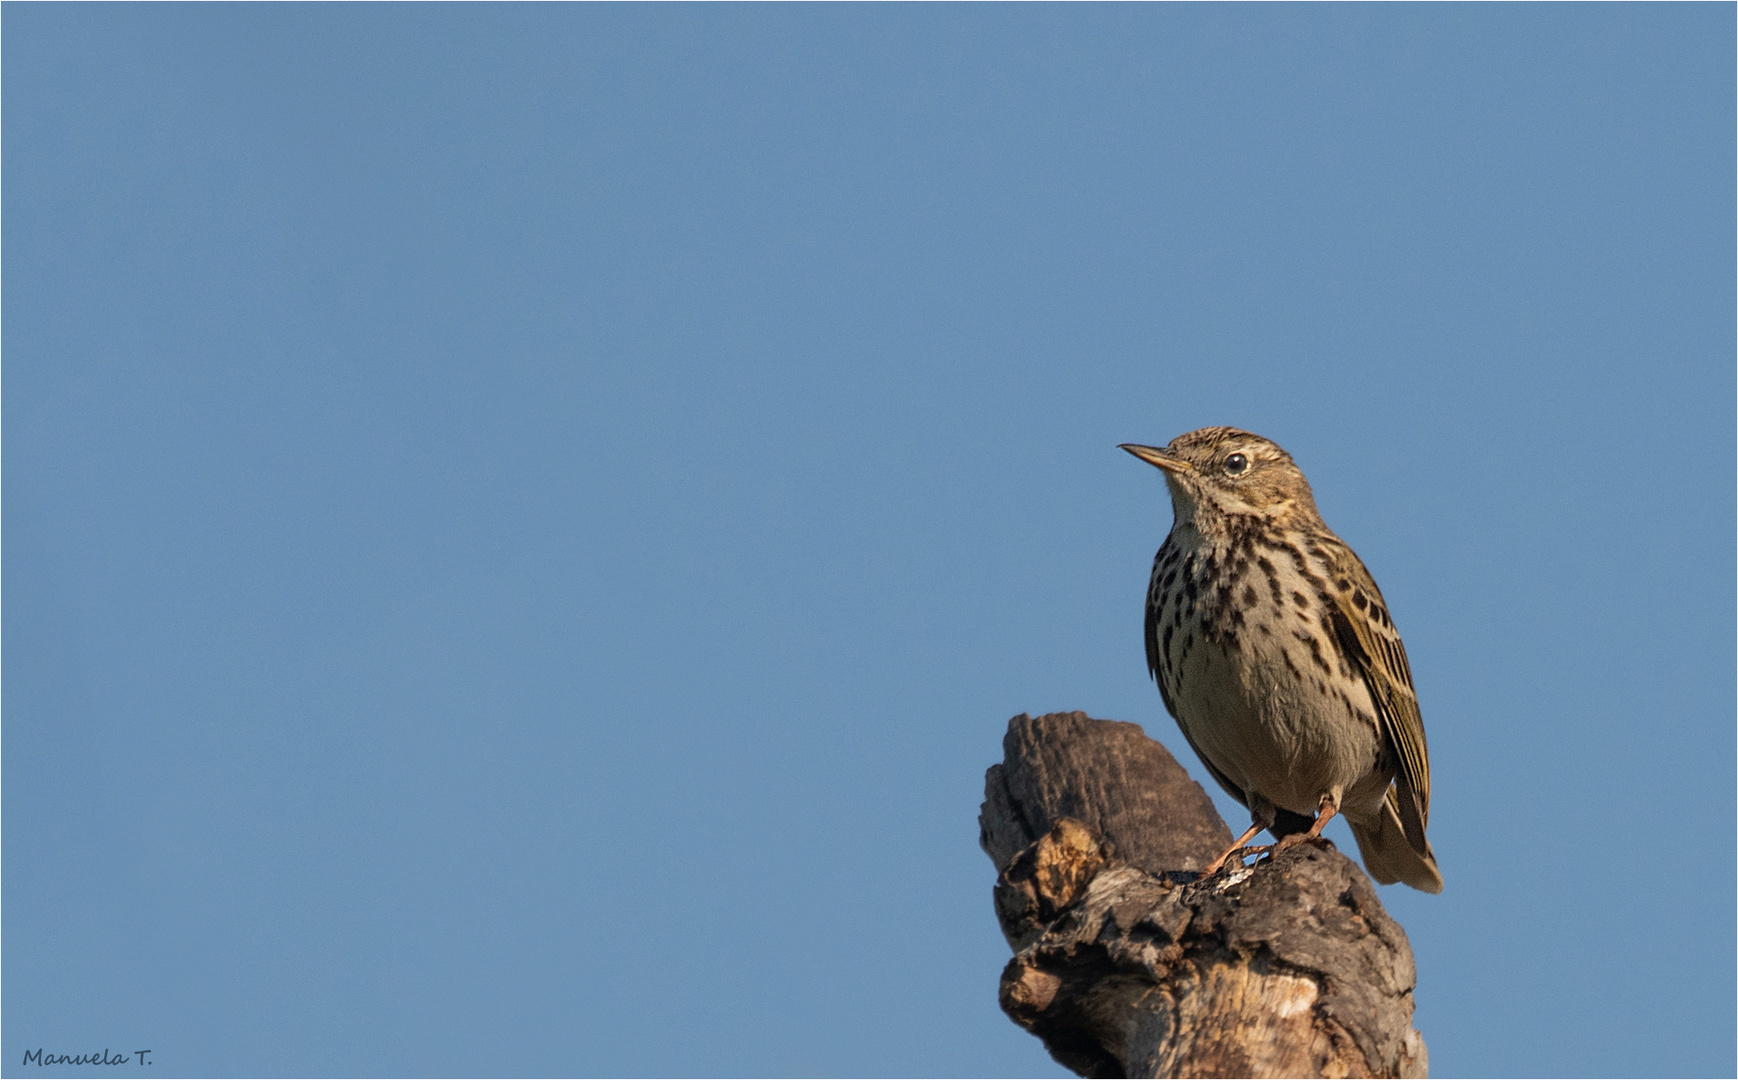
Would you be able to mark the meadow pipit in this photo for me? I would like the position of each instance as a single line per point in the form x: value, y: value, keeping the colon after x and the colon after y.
x: 1275, y: 652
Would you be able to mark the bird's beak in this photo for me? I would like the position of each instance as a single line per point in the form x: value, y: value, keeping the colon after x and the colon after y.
x: 1154, y: 455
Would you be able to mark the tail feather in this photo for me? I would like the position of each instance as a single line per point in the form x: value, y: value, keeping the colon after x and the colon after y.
x: 1389, y: 856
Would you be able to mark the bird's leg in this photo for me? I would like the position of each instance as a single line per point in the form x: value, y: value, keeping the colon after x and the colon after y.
x: 1234, y: 849
x: 1327, y: 808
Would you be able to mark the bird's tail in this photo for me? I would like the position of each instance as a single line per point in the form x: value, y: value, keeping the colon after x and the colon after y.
x: 1389, y: 857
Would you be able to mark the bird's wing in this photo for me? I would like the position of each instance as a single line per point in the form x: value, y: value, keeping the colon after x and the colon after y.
x: 1370, y: 641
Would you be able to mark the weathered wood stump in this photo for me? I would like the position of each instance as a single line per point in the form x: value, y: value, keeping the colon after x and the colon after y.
x: 1126, y: 965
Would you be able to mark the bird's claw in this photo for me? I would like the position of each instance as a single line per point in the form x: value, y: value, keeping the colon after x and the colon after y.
x: 1232, y: 857
x: 1286, y: 843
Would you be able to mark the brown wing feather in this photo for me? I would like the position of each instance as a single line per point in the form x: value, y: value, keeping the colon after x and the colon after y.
x: 1370, y: 641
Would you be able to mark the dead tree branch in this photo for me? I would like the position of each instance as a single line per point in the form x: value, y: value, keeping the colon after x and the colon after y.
x: 1124, y: 965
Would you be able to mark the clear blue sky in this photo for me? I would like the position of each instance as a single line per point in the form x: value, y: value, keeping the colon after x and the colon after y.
x: 524, y: 526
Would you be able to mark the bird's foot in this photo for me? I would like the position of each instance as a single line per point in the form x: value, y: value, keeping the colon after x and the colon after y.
x: 1233, y: 856
x: 1286, y: 843
x: 1252, y: 850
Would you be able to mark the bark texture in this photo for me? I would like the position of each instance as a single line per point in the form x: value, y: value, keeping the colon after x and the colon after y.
x: 1126, y: 965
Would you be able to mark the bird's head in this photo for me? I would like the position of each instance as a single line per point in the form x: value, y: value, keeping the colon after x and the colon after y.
x: 1219, y: 472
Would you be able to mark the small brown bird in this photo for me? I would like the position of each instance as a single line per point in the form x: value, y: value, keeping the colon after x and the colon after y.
x: 1274, y: 651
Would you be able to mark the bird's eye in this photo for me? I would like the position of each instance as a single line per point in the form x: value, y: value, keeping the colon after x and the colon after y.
x: 1236, y: 463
